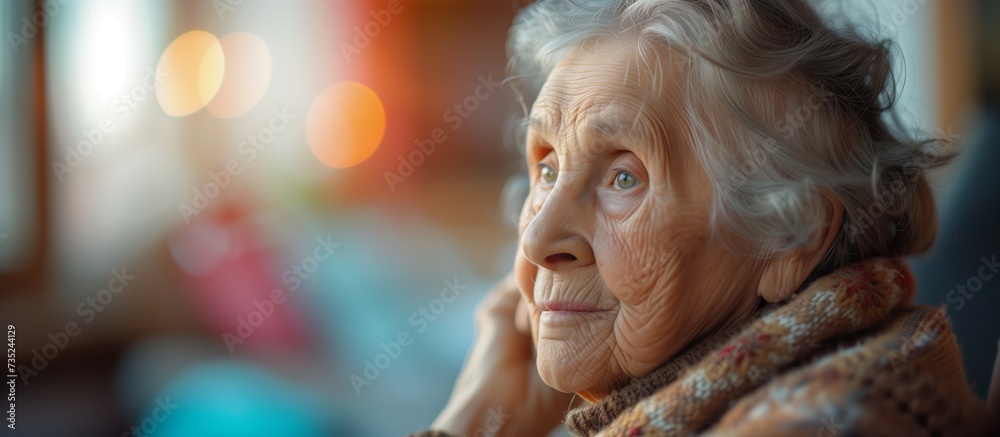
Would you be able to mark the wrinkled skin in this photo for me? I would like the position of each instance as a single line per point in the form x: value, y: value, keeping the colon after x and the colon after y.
x: 618, y: 271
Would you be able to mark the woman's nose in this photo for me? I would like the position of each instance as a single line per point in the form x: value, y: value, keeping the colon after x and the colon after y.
x: 554, y: 238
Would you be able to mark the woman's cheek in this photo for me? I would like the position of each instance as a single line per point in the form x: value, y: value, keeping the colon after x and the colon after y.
x: 626, y: 260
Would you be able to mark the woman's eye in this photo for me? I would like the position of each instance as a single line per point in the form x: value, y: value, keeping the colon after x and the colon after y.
x: 624, y: 180
x: 547, y: 174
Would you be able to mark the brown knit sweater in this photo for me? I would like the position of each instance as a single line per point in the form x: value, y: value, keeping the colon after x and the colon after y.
x: 850, y: 355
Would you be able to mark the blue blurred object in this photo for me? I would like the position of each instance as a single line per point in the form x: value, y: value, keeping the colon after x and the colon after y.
x: 970, y: 214
x: 233, y: 398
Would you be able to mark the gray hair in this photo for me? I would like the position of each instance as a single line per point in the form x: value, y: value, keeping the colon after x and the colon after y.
x: 798, y: 109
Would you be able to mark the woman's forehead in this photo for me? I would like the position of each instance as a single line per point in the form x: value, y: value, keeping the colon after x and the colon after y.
x: 609, y: 90
x: 610, y: 119
x: 612, y: 76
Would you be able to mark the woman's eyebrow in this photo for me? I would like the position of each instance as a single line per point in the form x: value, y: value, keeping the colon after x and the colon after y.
x: 606, y: 129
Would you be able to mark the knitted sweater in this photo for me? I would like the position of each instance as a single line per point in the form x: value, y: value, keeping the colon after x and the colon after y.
x: 849, y: 355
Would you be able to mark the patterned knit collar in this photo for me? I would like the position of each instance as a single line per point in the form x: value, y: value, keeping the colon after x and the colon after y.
x: 693, y: 389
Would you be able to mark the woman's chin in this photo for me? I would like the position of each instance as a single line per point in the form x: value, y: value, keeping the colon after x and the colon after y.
x: 567, y: 373
x: 555, y: 378
x: 590, y: 392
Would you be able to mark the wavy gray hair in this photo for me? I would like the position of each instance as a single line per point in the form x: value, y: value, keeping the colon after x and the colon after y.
x: 796, y: 109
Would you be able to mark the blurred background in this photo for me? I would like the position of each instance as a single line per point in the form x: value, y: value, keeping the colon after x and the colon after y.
x: 165, y: 167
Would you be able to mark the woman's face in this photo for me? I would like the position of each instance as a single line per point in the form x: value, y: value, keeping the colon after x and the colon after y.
x: 615, y: 265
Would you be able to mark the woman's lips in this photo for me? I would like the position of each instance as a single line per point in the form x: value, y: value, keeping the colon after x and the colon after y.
x: 558, y: 315
x: 573, y: 307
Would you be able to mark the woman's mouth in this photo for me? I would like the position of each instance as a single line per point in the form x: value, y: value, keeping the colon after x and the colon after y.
x: 569, y: 314
x: 573, y: 307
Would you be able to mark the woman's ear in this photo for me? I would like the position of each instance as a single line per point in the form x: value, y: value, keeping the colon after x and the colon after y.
x: 786, y: 271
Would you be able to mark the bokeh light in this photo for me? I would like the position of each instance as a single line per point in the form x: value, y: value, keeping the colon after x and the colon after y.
x: 194, y: 65
x: 247, y: 75
x: 345, y: 125
x: 107, y: 71
x: 107, y: 55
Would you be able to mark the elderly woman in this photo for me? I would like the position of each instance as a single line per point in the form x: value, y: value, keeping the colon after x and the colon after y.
x: 711, y: 243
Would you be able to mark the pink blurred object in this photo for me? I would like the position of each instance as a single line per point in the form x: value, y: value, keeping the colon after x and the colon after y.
x: 235, y: 281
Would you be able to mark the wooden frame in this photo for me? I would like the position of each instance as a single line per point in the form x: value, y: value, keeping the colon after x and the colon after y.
x: 31, y: 275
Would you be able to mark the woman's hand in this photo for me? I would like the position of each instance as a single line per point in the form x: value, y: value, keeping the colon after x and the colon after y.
x: 498, y: 390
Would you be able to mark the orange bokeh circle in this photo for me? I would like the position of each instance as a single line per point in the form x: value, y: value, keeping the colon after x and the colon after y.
x: 345, y: 124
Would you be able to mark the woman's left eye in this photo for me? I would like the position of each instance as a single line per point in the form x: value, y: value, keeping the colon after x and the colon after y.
x: 624, y: 180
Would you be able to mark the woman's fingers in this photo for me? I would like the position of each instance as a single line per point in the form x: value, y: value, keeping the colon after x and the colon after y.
x: 499, y: 304
x: 498, y: 339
